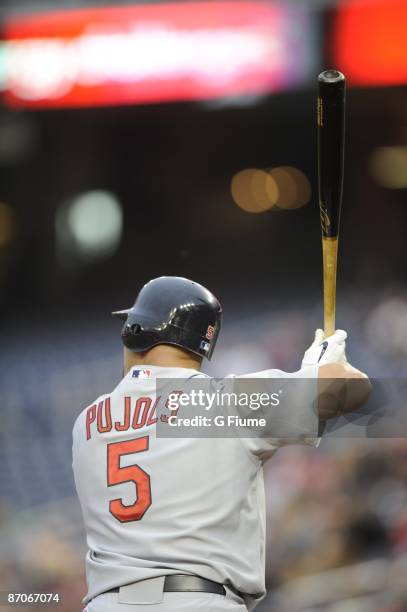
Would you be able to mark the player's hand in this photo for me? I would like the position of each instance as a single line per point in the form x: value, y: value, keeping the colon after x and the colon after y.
x: 326, y: 350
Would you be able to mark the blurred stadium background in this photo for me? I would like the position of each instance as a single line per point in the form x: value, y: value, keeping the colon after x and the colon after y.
x: 142, y: 139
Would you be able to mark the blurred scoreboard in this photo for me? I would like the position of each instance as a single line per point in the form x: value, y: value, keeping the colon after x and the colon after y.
x: 370, y: 42
x: 156, y: 53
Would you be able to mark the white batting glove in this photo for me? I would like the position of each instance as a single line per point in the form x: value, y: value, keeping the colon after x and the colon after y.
x: 326, y: 350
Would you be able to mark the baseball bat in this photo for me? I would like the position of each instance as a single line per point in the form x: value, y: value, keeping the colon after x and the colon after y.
x: 331, y: 152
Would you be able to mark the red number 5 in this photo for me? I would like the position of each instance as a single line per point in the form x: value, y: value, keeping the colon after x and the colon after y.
x: 132, y: 473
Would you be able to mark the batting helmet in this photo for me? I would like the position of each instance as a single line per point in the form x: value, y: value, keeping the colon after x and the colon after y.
x: 172, y: 310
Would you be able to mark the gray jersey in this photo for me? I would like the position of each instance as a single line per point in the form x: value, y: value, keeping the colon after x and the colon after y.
x: 155, y: 506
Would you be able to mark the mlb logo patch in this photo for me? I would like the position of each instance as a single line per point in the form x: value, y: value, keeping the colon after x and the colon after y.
x: 205, y: 346
x: 141, y: 374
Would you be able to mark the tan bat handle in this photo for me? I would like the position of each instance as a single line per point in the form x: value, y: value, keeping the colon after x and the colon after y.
x: 330, y: 256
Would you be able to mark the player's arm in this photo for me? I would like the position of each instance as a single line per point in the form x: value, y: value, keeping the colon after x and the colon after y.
x: 341, y: 389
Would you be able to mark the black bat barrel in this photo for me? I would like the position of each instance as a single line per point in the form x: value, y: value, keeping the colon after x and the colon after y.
x: 331, y: 148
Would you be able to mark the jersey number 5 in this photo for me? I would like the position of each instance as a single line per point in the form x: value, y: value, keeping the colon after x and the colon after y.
x: 132, y: 473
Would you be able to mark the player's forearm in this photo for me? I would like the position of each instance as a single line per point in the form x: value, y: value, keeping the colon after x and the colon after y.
x: 342, y: 389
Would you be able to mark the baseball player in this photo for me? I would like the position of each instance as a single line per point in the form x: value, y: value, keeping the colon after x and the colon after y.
x: 178, y: 524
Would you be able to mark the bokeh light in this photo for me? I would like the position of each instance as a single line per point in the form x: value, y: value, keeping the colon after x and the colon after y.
x: 90, y: 225
x: 172, y: 51
x: 388, y: 166
x: 7, y: 224
x: 369, y: 42
x: 254, y: 190
x: 294, y: 188
x: 386, y: 327
x: 284, y: 187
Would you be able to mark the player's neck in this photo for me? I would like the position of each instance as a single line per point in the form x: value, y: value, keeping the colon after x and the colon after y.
x: 163, y: 355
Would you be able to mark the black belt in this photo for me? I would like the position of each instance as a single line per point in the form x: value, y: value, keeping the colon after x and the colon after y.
x: 182, y: 583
